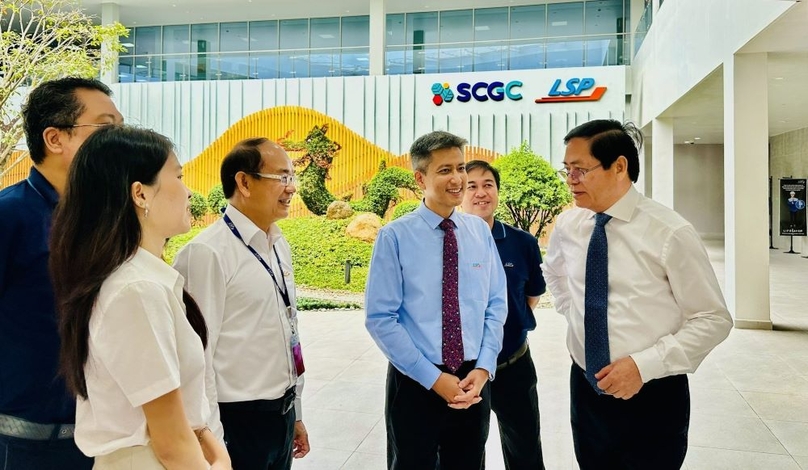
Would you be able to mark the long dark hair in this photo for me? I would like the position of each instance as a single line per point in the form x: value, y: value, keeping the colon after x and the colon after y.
x: 96, y: 229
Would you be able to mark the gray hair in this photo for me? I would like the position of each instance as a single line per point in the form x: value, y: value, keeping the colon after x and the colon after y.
x: 421, y: 150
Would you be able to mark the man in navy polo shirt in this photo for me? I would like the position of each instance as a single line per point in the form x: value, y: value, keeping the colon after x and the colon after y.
x: 36, y: 411
x: 513, y: 394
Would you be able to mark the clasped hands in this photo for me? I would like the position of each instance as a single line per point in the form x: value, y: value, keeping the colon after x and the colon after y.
x: 461, y: 394
x: 620, y: 379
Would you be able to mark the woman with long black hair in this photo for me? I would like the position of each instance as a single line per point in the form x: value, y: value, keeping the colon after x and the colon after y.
x: 132, y: 341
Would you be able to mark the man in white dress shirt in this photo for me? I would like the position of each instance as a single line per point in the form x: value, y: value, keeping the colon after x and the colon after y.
x: 642, y: 301
x: 239, y: 270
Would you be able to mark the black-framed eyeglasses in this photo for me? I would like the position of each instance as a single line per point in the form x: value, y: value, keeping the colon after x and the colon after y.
x: 285, y: 180
x: 577, y: 174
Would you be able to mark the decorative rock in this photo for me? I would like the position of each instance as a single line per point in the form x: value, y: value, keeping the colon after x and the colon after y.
x: 338, y: 210
x: 365, y: 227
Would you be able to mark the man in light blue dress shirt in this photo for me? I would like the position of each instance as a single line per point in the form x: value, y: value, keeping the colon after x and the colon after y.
x: 436, y: 417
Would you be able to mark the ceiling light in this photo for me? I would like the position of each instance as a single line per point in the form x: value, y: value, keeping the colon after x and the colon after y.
x: 696, y: 138
x: 558, y: 23
x: 326, y: 36
x: 127, y: 44
x: 778, y: 78
x: 481, y: 28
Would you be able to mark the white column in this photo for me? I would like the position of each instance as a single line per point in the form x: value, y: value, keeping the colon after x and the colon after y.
x: 746, y: 170
x: 110, y: 13
x: 378, y: 36
x: 662, y: 159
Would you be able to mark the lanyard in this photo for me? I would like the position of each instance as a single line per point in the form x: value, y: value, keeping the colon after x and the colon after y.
x: 285, y: 291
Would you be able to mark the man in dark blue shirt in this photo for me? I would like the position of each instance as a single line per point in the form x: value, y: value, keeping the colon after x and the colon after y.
x: 36, y: 411
x: 513, y: 394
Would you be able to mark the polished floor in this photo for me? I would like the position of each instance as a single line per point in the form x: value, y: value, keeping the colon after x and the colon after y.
x: 750, y: 396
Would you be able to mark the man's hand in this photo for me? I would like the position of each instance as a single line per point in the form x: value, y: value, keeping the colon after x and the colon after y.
x: 300, y: 445
x: 447, y: 387
x: 472, y: 386
x: 620, y: 379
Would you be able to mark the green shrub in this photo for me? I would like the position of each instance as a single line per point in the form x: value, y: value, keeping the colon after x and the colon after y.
x: 199, y: 206
x: 319, y: 250
x: 307, y: 303
x: 405, y: 207
x: 175, y: 243
x: 216, y: 200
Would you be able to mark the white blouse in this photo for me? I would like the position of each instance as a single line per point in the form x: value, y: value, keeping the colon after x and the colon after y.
x: 141, y: 348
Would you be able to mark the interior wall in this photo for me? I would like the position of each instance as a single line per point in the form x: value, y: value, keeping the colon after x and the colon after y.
x: 699, y: 187
x: 789, y: 159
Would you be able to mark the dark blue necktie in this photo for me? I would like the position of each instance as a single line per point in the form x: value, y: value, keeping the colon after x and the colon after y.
x: 596, y: 301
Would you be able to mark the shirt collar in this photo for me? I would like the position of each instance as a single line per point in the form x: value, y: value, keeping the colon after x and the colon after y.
x: 624, y: 208
x: 432, y: 219
x: 498, y: 230
x: 248, y: 229
x: 157, y: 268
x: 43, y: 187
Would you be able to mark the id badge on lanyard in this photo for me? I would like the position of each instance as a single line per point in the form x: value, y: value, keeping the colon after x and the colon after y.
x: 291, y: 311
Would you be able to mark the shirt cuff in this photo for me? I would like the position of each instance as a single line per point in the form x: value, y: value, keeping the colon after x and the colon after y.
x: 425, y: 373
x: 298, y: 408
x: 488, y: 363
x: 649, y: 364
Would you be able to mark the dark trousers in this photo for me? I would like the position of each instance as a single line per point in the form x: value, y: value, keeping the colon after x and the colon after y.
x: 647, y: 431
x: 29, y: 454
x: 258, y: 435
x: 515, y: 401
x: 423, y: 433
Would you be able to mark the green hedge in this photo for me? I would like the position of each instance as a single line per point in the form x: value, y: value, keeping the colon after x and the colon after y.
x: 307, y: 303
x: 319, y: 250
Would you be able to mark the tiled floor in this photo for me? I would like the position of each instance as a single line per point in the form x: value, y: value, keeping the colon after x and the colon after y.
x: 750, y: 396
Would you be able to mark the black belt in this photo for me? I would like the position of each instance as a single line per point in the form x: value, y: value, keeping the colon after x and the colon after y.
x: 514, y: 357
x: 283, y: 404
x: 12, y: 426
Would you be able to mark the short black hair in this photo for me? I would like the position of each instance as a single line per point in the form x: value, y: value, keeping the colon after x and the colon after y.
x: 421, y: 150
x: 245, y: 157
x: 485, y: 166
x: 54, y: 104
x: 608, y: 139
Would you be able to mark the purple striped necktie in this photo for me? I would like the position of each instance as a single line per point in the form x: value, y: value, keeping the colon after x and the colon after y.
x: 452, y: 331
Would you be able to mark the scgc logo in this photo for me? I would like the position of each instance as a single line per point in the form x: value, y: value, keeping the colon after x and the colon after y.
x: 480, y: 91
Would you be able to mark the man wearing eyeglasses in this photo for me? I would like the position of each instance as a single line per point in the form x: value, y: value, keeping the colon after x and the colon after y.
x: 643, y: 304
x: 239, y: 271
x: 37, y: 414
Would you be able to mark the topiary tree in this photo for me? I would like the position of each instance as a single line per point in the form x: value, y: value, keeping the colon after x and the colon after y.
x: 404, y: 208
x: 531, y: 191
x: 383, y: 189
x: 199, y: 206
x: 318, y: 157
x: 216, y: 200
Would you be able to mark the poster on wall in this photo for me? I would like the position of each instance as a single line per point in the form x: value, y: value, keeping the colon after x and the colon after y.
x: 792, y: 207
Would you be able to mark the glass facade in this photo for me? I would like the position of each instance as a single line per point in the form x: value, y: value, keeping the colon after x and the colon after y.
x: 558, y: 34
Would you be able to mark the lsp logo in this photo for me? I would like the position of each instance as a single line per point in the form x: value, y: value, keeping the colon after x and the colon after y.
x: 480, y: 91
x: 574, y: 88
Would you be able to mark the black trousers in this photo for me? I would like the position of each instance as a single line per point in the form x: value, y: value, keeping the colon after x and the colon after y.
x: 647, y: 431
x: 515, y: 401
x: 423, y: 433
x: 27, y: 454
x: 258, y: 435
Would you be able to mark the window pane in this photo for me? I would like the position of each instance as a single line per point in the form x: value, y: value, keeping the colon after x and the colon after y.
x: 205, y: 38
x: 175, y: 39
x: 233, y: 37
x: 126, y: 69
x: 294, y: 34
x: 147, y: 40
x: 147, y: 69
x: 456, y: 26
x: 324, y: 32
x: 233, y: 66
x: 565, y: 53
x: 491, y: 24
x: 263, y: 65
x: 395, y: 61
x: 294, y: 63
x: 422, y: 28
x: 490, y: 56
x: 527, y: 55
x: 456, y: 58
x: 528, y: 22
x: 263, y: 36
x: 355, y: 62
x: 602, y: 50
x: 177, y: 68
x: 324, y: 63
x: 395, y: 30
x: 565, y: 19
x: 604, y: 17
x: 356, y: 31
x: 422, y: 59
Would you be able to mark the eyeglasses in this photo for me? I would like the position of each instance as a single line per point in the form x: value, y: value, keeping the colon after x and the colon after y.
x: 577, y: 174
x: 285, y: 180
x: 98, y: 125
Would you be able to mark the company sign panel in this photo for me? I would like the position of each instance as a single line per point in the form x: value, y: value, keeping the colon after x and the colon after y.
x: 572, y: 90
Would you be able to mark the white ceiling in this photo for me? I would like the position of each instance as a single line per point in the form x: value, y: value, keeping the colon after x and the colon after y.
x: 700, y: 113
x: 165, y: 12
